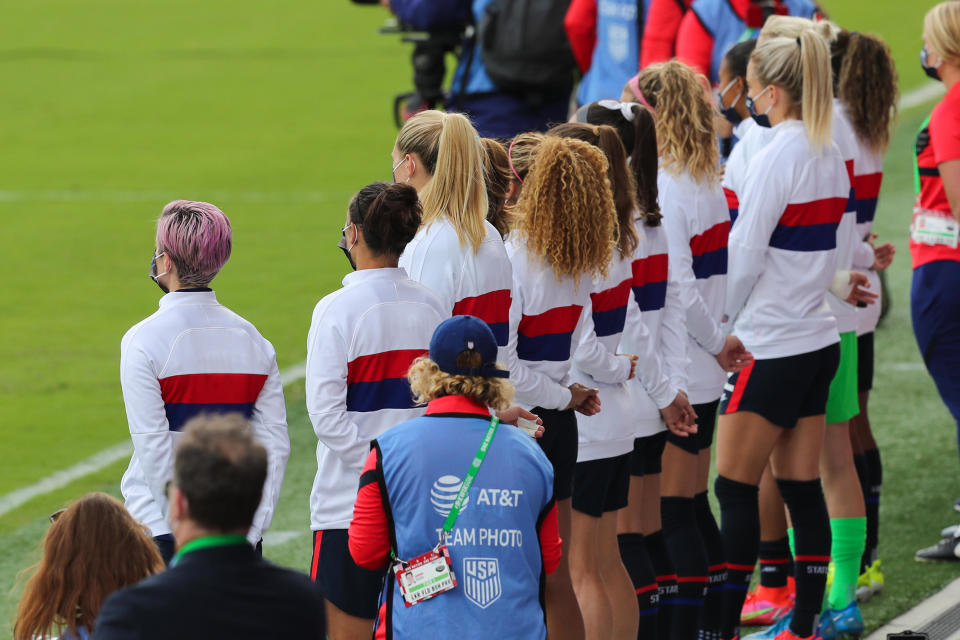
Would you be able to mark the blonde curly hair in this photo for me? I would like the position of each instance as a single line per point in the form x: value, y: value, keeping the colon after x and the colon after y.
x: 428, y: 382
x: 565, y: 214
x: 685, y: 133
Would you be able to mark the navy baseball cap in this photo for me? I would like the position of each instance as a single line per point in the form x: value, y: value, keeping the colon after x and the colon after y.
x: 465, y: 333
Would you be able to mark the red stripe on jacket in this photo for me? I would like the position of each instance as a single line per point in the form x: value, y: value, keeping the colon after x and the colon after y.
x: 826, y: 211
x: 710, y: 240
x: 612, y: 298
x: 558, y: 320
x: 382, y: 366
x: 492, y: 307
x: 212, y: 388
x: 650, y: 269
x: 868, y: 185
x: 733, y: 202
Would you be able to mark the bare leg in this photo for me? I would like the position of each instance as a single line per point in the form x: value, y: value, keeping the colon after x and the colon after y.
x: 563, y: 615
x: 343, y: 626
x: 616, y: 581
x: 585, y: 575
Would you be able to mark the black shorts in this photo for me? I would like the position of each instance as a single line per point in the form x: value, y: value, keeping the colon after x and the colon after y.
x: 783, y: 390
x: 647, y: 456
x: 352, y: 589
x: 559, y: 442
x: 601, y: 486
x: 865, y: 362
x: 706, y: 424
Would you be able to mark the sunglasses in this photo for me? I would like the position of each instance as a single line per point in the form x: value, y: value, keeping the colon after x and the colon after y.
x: 56, y: 514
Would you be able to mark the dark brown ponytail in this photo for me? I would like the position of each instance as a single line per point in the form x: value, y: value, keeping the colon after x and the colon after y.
x: 866, y: 83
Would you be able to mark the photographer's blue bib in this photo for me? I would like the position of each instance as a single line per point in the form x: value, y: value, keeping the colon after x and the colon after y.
x: 728, y: 28
x: 494, y: 547
x: 616, y: 56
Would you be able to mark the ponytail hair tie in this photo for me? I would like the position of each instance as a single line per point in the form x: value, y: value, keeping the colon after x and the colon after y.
x: 510, y: 160
x: 634, y: 84
x: 623, y: 107
x: 799, y: 43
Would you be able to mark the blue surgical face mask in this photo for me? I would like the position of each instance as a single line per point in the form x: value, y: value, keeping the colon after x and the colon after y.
x: 930, y: 70
x: 761, y: 119
x: 730, y: 113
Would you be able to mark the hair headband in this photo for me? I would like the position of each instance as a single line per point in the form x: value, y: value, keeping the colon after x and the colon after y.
x: 510, y: 160
x: 634, y: 84
x: 623, y: 107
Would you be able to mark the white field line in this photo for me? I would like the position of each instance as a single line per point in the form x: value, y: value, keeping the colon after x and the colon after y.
x: 154, y: 196
x: 921, y: 95
x: 277, y: 538
x: 98, y: 461
x: 913, y: 98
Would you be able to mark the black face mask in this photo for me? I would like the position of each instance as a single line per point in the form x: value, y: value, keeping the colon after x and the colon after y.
x: 932, y: 72
x: 154, y: 276
x: 342, y: 245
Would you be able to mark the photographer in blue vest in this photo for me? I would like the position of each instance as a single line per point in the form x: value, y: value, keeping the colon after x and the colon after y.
x: 463, y: 512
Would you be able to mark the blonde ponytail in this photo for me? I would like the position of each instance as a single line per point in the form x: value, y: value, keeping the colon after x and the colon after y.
x: 449, y: 146
x: 817, y: 97
x: 801, y: 68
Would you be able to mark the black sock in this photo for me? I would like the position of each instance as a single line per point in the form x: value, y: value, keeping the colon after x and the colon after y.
x: 871, y: 497
x: 690, y: 560
x: 863, y: 475
x: 633, y: 552
x: 666, y: 579
x: 740, y: 530
x: 776, y: 563
x: 811, y: 531
x: 712, y: 612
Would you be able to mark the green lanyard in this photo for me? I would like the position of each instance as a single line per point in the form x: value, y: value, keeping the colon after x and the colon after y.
x: 206, y: 542
x: 749, y: 34
x: 471, y: 474
x: 916, y: 163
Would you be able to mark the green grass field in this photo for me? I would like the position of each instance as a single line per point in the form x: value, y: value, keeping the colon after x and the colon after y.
x: 277, y: 113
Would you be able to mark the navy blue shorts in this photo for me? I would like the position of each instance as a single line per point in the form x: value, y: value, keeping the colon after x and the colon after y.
x: 865, y: 362
x: 559, y: 442
x: 601, y: 486
x: 706, y: 424
x: 350, y: 588
x: 783, y: 390
x: 647, y: 456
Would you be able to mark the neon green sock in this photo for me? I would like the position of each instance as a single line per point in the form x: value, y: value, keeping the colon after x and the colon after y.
x: 792, y: 541
x: 849, y: 540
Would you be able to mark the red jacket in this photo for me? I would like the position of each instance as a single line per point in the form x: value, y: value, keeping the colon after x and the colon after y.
x: 581, y: 26
x: 660, y: 30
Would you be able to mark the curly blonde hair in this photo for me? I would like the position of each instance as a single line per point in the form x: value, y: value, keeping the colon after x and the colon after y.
x: 685, y: 133
x: 428, y: 382
x: 565, y: 214
x: 521, y: 152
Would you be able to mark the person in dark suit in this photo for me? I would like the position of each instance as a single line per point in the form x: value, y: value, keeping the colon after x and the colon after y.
x: 217, y: 586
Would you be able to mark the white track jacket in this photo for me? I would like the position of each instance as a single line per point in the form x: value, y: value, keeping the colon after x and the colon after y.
x: 191, y: 357
x: 698, y: 226
x: 363, y: 339
x: 783, y: 246
x: 658, y: 334
x: 468, y: 282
